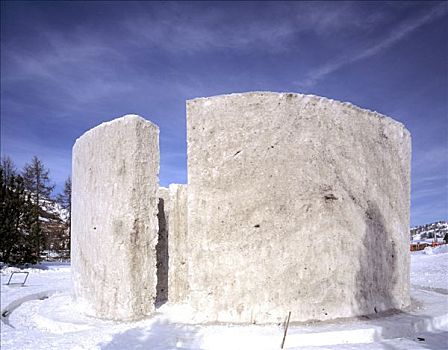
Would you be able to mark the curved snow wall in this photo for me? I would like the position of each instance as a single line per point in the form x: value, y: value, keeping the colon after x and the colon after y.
x: 295, y: 203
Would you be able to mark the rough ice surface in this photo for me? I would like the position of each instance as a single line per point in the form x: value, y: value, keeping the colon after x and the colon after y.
x: 114, y: 218
x: 295, y: 203
x: 178, y: 244
x: 172, y: 251
x: 162, y: 246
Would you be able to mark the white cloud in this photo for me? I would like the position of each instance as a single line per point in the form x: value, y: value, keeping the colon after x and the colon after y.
x: 272, y: 29
x: 83, y: 65
x: 426, y: 161
x: 400, y: 32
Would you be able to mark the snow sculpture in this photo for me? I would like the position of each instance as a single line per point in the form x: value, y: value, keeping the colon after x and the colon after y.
x: 295, y: 203
x: 162, y: 246
x: 178, y: 244
x: 172, y: 246
x: 114, y: 218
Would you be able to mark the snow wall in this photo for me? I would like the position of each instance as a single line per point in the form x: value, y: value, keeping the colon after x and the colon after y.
x: 172, y: 245
x: 178, y: 289
x: 295, y: 203
x: 114, y: 218
x: 162, y: 261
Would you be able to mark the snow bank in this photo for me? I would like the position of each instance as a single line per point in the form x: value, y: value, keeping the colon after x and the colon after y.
x: 436, y: 250
x: 34, y: 269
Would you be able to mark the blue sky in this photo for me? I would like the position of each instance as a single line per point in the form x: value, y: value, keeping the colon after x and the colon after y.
x: 68, y: 66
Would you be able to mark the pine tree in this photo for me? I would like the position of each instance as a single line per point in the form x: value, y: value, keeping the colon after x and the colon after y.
x: 37, y: 183
x: 31, y: 234
x: 65, y: 200
x: 15, y: 227
x: 9, y: 168
x: 8, y: 231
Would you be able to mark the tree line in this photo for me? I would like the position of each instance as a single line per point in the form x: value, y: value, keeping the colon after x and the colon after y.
x: 27, y: 228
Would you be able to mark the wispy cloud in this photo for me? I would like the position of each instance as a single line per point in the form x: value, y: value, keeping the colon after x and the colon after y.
x: 432, y: 191
x: 429, y: 184
x: 264, y: 26
x: 430, y: 179
x: 421, y: 211
x: 400, y: 32
x: 92, y: 66
x: 430, y: 160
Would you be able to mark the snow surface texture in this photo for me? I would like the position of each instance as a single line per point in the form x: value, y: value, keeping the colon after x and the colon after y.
x: 59, y: 322
x: 162, y: 246
x: 114, y: 218
x: 172, y: 254
x: 178, y: 249
x: 436, y: 250
x: 432, y: 272
x: 288, y: 193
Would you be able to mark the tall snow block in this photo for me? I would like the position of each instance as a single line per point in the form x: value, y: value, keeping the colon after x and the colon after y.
x: 295, y: 203
x: 114, y: 218
x: 179, y: 242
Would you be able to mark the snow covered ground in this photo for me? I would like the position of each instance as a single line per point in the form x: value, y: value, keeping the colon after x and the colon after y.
x: 42, y: 315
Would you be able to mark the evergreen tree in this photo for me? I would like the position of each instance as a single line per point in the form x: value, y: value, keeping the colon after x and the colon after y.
x: 8, y: 218
x: 9, y: 168
x: 65, y: 200
x: 17, y: 238
x: 31, y: 234
x: 37, y: 183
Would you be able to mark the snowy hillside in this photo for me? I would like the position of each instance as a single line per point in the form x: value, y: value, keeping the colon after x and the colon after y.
x: 54, y: 210
x: 428, y: 231
x: 54, y: 221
